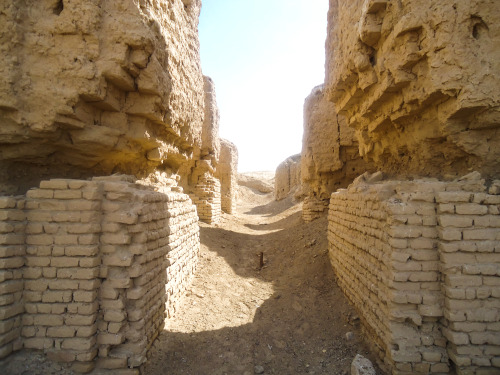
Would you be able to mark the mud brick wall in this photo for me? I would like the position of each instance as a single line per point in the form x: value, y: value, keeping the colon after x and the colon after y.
x: 312, y: 207
x: 207, y: 198
x: 228, y: 173
x: 61, y: 276
x: 12, y: 252
x: 102, y: 263
x: 150, y: 246
x: 469, y: 223
x: 287, y: 177
x: 330, y: 157
x: 421, y: 267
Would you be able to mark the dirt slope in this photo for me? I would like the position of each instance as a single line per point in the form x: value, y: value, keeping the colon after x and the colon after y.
x: 287, y: 318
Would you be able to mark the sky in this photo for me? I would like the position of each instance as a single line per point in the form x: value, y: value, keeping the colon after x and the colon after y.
x: 265, y: 57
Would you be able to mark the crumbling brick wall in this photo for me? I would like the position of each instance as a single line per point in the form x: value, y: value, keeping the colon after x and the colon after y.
x: 228, y: 174
x: 97, y: 87
x: 287, y: 178
x: 203, y: 182
x: 420, y: 262
x: 330, y: 158
x: 12, y: 253
x: 106, y: 261
x: 414, y: 80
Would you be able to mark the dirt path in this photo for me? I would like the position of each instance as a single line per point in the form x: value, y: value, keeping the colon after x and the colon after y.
x: 287, y: 318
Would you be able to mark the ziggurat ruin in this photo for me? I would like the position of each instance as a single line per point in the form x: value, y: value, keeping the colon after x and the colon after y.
x: 110, y: 155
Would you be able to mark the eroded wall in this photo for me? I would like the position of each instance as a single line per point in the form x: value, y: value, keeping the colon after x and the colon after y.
x: 287, y: 178
x: 202, y: 182
x: 420, y: 260
x: 97, y: 87
x: 416, y: 81
x: 418, y: 257
x: 90, y: 269
x: 228, y: 175
x: 330, y: 158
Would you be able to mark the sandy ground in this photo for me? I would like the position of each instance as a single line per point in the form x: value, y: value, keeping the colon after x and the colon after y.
x: 287, y: 318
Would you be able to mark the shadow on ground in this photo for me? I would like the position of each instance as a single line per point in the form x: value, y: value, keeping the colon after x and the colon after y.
x: 299, y: 329
x: 271, y: 209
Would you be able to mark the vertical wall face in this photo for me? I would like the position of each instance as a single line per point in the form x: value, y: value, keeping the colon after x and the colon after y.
x: 96, y: 87
x: 330, y: 157
x: 203, y: 182
x: 12, y: 253
x: 287, y: 178
x: 414, y: 80
x: 228, y: 174
x: 420, y: 261
x: 106, y: 261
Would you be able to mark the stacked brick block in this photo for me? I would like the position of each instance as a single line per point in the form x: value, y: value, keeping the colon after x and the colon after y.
x: 62, y: 271
x: 312, y: 208
x: 12, y: 252
x: 207, y: 198
x: 469, y: 223
x: 104, y: 263
x: 428, y: 305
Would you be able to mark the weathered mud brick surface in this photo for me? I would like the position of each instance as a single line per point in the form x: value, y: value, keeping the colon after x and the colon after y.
x: 420, y: 260
x: 469, y: 229
x: 91, y: 269
x: 330, y: 158
x: 228, y: 175
x: 12, y: 253
x: 207, y: 198
x: 287, y: 177
x: 103, y: 87
x: 414, y: 80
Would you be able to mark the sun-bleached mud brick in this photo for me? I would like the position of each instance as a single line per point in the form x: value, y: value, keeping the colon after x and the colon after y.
x: 436, y: 282
x: 12, y: 262
x: 87, y: 276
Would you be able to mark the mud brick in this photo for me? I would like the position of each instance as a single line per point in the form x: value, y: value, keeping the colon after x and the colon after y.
x: 56, y: 184
x: 110, y: 339
x: 64, y: 262
x: 62, y: 331
x: 67, y: 194
x: 79, y: 320
x: 81, y: 344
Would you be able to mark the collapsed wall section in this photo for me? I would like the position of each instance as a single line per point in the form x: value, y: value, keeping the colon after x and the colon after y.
x: 287, y: 177
x: 414, y: 80
x: 106, y: 261
x: 330, y: 158
x: 420, y: 261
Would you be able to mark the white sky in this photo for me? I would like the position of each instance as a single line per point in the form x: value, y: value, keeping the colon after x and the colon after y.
x: 265, y: 57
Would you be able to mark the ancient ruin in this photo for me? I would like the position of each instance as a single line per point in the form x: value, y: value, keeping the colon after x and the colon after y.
x: 416, y: 248
x: 106, y: 119
x: 287, y: 177
x: 330, y: 154
x: 110, y: 156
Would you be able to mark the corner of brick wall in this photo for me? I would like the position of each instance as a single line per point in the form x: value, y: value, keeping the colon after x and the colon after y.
x: 420, y: 261
x: 207, y: 198
x: 90, y: 270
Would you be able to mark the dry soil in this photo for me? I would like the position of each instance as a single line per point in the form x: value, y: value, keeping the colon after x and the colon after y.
x: 288, y: 317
